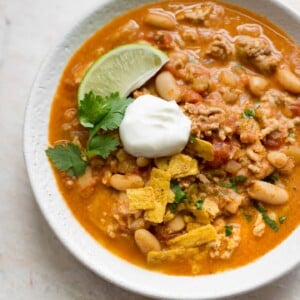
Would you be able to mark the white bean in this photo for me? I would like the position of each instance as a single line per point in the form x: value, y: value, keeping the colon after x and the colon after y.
x: 294, y: 153
x: 232, y: 166
x: 176, y: 224
x: 228, y: 78
x: 288, y: 80
x: 258, y: 85
x: 288, y: 167
x: 124, y: 182
x: 146, y: 241
x: 142, y: 162
x: 277, y: 159
x: 167, y: 87
x: 160, y: 21
x: 267, y: 192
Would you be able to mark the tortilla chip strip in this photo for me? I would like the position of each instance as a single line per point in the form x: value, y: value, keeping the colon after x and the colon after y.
x: 162, y: 163
x: 195, y: 237
x: 202, y: 216
x: 182, y: 165
x: 160, y: 179
x: 141, y: 198
x: 158, y: 257
x: 201, y: 149
x: 160, y: 182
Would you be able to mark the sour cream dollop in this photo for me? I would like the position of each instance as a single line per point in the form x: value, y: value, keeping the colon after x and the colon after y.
x: 153, y: 127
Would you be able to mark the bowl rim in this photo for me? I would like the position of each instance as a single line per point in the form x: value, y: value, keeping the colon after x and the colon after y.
x: 80, y: 243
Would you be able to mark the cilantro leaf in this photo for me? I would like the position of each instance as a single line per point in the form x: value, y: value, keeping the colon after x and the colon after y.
x: 247, y: 217
x: 227, y: 185
x: 228, y: 230
x: 270, y: 222
x: 233, y: 182
x: 102, y: 145
x: 192, y: 138
x: 238, y: 179
x: 250, y: 113
x: 113, y: 118
x: 173, y: 207
x: 180, y: 195
x: 199, y: 203
x: 67, y: 158
x: 282, y: 219
x: 92, y: 109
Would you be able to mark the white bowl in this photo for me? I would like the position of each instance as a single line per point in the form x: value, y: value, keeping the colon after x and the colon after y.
x: 269, y: 267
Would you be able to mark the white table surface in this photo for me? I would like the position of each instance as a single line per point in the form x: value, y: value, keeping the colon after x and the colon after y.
x: 33, y: 263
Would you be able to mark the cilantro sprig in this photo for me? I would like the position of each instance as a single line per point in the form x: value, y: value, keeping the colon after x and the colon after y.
x: 67, y: 158
x: 270, y: 222
x: 101, y: 115
x: 233, y: 182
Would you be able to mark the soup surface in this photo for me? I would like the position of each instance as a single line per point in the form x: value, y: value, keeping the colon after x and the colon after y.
x: 231, y: 195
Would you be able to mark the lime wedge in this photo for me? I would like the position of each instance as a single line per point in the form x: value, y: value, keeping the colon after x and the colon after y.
x: 122, y: 70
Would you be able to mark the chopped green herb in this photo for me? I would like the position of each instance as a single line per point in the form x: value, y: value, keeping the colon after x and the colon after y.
x: 238, y: 179
x: 199, y: 203
x: 282, y: 219
x: 233, y: 182
x: 250, y: 113
x: 273, y: 178
x: 192, y: 138
x: 102, y: 145
x: 226, y: 185
x: 270, y: 222
x: 247, y: 217
x: 190, y: 201
x: 173, y: 207
x: 292, y: 135
x: 180, y: 195
x: 67, y: 158
x: 228, y: 230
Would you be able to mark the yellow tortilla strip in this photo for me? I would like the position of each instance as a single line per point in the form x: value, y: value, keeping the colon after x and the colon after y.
x: 160, y: 179
x: 158, y: 257
x: 182, y: 165
x: 201, y: 149
x: 156, y: 215
x: 160, y: 182
x: 141, y: 198
x: 202, y: 216
x: 162, y: 163
x: 195, y: 237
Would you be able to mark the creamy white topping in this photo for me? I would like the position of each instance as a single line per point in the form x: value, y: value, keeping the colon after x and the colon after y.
x: 153, y: 127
